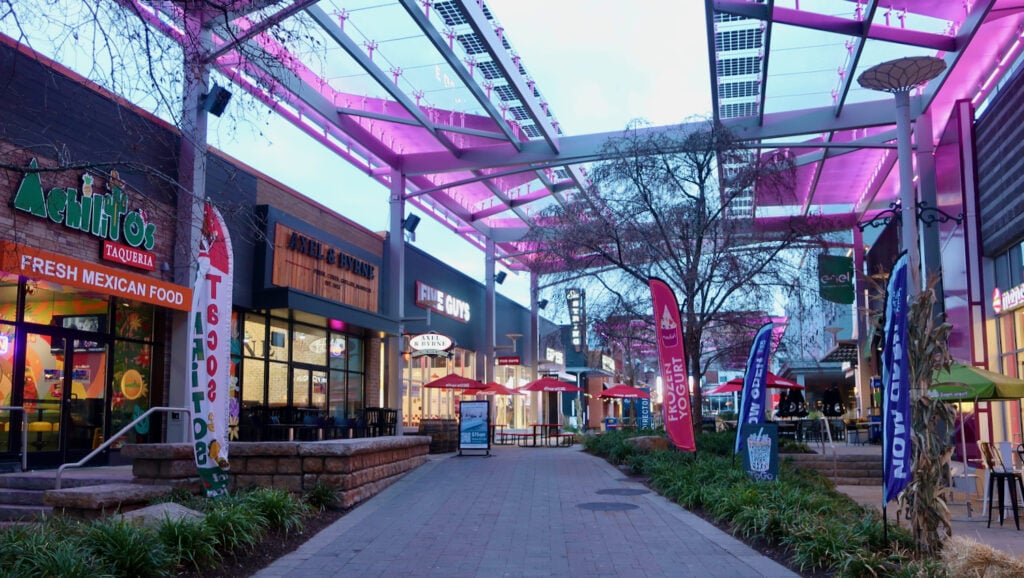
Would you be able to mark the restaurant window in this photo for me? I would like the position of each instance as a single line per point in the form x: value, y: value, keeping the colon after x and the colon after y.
x: 277, y: 384
x: 278, y: 344
x: 51, y: 304
x: 8, y: 297
x: 309, y: 345
x: 253, y: 379
x: 254, y: 336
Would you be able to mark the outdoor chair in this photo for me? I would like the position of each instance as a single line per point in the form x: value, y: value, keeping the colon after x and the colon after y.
x: 389, y: 422
x: 999, y: 476
x: 372, y: 421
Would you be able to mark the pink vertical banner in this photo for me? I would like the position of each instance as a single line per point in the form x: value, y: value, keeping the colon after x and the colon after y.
x: 210, y: 336
x: 672, y: 361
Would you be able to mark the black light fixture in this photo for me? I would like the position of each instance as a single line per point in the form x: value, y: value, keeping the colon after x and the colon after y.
x: 410, y: 223
x: 542, y: 304
x: 215, y: 101
x: 500, y: 277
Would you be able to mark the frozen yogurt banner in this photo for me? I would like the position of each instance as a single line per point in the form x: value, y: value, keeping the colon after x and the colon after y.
x: 672, y: 361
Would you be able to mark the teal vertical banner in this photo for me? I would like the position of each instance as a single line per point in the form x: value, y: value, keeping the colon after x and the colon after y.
x: 761, y: 451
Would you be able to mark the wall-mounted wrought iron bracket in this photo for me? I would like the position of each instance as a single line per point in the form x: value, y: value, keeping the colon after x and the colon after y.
x: 883, y: 218
x: 931, y: 215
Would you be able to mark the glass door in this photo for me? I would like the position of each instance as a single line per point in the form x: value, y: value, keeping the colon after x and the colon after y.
x: 64, y: 380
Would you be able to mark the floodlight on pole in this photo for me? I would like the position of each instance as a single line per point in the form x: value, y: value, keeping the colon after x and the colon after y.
x: 899, y: 77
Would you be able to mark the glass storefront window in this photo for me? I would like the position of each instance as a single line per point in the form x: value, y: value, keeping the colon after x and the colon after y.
x: 309, y: 344
x: 354, y: 398
x: 1016, y: 339
x: 336, y: 397
x: 354, y: 354
x: 134, y: 320
x: 338, y: 351
x: 300, y: 387
x: 278, y: 386
x: 133, y: 375
x: 254, y: 336
x: 50, y: 304
x: 7, y: 335
x: 253, y: 374
x: 278, y: 343
x: 8, y: 297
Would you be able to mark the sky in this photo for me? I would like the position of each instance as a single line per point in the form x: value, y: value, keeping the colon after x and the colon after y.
x: 600, y: 66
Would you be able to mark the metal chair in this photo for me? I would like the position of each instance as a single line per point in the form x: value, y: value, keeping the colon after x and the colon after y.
x: 998, y: 478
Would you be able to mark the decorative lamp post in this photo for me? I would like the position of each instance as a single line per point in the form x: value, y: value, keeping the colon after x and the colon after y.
x: 899, y: 77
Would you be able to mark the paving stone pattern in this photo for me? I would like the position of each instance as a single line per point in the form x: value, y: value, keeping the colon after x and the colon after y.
x: 518, y: 513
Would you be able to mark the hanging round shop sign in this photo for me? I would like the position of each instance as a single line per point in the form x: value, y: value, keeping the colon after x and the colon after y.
x: 431, y: 345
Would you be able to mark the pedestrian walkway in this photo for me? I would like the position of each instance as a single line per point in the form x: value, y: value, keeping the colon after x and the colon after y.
x: 970, y: 522
x: 522, y: 512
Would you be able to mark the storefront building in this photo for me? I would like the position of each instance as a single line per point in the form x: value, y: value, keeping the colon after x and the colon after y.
x: 85, y: 280
x: 311, y: 340
x: 440, y: 299
x: 91, y: 298
x: 1000, y: 144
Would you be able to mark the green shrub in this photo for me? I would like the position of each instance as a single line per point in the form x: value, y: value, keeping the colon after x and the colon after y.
x: 190, y: 542
x: 281, y: 510
x: 129, y: 550
x: 236, y: 524
x: 823, y: 531
x: 323, y: 496
x: 62, y: 558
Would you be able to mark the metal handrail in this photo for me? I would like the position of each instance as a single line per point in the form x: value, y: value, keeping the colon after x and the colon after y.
x: 124, y: 430
x: 24, y: 432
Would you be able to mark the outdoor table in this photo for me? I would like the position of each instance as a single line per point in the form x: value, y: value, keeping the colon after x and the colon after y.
x: 543, y: 431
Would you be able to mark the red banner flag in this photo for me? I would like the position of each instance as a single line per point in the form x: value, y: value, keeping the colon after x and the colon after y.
x: 672, y: 360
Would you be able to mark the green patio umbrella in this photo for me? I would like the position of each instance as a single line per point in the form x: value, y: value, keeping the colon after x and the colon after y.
x: 968, y: 383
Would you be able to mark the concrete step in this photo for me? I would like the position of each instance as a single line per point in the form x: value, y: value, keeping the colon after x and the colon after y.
x: 21, y: 497
x: 861, y: 481
x: 71, y: 478
x: 15, y: 513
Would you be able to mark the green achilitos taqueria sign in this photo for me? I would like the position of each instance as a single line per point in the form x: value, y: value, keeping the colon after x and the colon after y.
x: 101, y: 214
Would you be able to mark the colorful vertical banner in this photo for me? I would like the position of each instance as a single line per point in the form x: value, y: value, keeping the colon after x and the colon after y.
x: 896, y: 443
x: 753, y: 397
x: 672, y: 360
x: 210, y: 336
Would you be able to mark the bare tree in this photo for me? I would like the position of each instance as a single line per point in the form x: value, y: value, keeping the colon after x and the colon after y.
x: 677, y: 206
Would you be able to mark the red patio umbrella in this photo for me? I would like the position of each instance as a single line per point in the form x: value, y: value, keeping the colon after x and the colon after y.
x: 549, y: 384
x: 731, y: 386
x: 495, y: 388
x: 772, y: 380
x: 453, y: 381
x: 622, y: 390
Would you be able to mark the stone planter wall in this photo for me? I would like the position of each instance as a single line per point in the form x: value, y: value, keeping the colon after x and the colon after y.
x: 360, y: 468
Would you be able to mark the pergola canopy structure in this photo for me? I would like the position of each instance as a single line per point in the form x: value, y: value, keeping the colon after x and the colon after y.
x: 785, y: 75
x: 434, y: 90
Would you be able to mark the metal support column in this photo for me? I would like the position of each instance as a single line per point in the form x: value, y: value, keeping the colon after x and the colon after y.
x: 394, y: 389
x: 190, y: 198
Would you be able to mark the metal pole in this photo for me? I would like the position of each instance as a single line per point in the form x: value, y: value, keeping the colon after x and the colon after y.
x: 396, y: 297
x: 908, y: 197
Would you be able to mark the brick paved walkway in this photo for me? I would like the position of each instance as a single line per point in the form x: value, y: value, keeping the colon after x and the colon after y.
x: 522, y: 512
